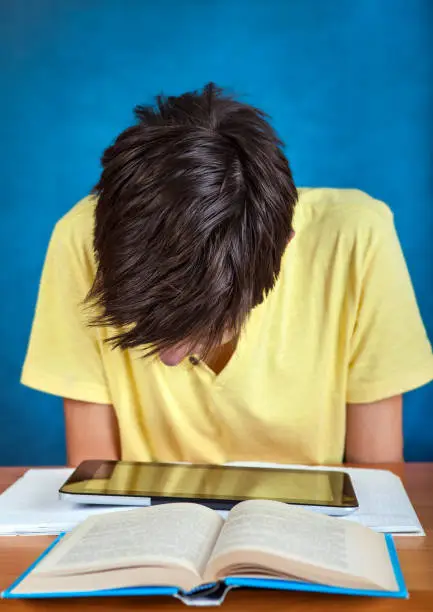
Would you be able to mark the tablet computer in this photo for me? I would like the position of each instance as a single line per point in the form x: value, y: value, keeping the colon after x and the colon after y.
x: 217, y: 486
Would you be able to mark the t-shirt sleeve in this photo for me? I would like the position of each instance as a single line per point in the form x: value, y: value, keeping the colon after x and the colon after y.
x: 64, y: 355
x: 390, y: 350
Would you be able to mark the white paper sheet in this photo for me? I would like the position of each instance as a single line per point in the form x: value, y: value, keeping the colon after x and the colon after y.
x: 32, y: 505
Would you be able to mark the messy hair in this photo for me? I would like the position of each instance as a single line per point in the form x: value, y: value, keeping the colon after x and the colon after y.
x: 194, y: 212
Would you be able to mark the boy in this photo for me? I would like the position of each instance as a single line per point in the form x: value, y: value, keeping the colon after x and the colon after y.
x: 288, y: 318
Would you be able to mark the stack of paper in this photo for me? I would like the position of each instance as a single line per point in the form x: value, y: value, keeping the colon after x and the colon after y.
x: 32, y: 505
x: 383, y: 502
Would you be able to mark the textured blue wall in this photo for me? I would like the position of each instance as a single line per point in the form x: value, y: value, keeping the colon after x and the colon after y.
x: 349, y: 86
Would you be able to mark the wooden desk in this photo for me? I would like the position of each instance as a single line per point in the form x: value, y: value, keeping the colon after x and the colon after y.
x: 416, y: 557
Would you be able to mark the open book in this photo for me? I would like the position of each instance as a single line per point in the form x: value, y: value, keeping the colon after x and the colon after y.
x: 188, y: 545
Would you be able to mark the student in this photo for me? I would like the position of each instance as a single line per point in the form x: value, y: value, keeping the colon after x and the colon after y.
x: 288, y: 317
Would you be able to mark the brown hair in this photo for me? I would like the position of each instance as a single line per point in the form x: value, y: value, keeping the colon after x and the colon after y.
x: 194, y: 212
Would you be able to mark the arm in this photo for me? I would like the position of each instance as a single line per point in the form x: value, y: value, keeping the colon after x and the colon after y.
x: 91, y: 431
x: 390, y: 353
x: 374, y: 431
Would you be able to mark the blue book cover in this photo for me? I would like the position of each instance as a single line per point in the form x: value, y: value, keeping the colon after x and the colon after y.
x: 214, y: 594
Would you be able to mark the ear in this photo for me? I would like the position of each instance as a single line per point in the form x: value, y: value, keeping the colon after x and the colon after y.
x: 291, y: 236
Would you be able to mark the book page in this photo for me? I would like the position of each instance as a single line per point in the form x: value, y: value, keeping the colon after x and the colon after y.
x: 179, y: 534
x: 304, y: 539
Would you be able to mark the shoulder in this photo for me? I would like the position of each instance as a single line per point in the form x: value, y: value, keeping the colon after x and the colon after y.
x: 72, y: 240
x: 75, y: 228
x: 351, y: 212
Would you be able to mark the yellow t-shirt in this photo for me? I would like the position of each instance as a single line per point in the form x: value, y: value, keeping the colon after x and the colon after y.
x: 341, y: 325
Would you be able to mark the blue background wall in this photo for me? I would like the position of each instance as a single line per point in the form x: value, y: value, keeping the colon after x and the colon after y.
x: 349, y: 85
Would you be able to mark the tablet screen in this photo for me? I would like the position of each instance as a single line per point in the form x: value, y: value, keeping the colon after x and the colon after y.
x: 210, y: 482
